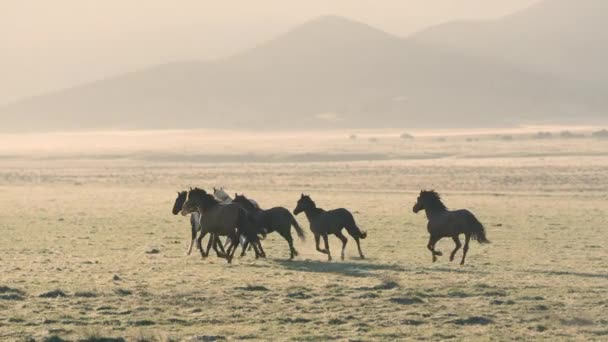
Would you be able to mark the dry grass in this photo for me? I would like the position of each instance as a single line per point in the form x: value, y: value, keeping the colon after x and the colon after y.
x: 77, y: 234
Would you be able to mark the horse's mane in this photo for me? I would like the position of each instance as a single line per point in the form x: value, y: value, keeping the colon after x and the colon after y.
x: 309, y: 200
x: 202, y: 196
x: 432, y: 200
x: 244, y: 201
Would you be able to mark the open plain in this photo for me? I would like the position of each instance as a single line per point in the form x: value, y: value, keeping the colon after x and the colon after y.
x: 89, y: 248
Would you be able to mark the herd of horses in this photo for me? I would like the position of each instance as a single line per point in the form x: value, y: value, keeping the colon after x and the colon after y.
x: 243, y: 222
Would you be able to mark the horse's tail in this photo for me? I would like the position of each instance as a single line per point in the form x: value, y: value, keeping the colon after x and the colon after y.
x: 297, y: 227
x: 352, y: 228
x: 478, y: 232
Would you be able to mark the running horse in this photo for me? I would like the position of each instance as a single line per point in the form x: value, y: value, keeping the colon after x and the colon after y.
x: 449, y: 223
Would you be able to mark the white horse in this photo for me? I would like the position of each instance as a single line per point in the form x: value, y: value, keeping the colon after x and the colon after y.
x: 223, y: 197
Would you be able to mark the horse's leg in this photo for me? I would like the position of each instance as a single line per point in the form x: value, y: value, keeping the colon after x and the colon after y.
x: 458, y: 244
x: 256, y: 249
x: 199, y: 244
x: 431, y: 246
x: 244, y: 240
x: 344, y: 241
x: 218, y: 243
x: 317, y: 241
x: 244, y: 250
x: 326, y: 240
x: 287, y: 236
x: 232, y: 249
x: 359, y: 248
x: 259, y: 245
x: 192, y: 241
x: 227, y: 243
x: 465, y: 249
x: 215, y: 242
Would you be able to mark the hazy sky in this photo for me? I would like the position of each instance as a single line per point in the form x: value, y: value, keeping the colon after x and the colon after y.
x: 49, y: 45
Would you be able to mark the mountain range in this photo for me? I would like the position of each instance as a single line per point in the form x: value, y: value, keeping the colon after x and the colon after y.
x: 544, y: 64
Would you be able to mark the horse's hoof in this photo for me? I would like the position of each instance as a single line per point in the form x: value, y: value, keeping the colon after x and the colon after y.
x: 362, y: 256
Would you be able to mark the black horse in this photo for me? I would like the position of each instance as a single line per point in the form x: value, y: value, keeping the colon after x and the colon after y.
x: 194, y: 217
x: 195, y: 222
x: 324, y: 222
x: 447, y: 223
x: 229, y: 220
x: 277, y: 219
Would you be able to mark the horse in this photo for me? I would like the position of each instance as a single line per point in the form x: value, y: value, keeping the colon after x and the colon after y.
x: 218, y: 219
x: 277, y: 219
x: 221, y: 195
x: 195, y: 218
x: 324, y: 222
x: 449, y: 223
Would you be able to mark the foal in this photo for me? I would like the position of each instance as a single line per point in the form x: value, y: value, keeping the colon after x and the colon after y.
x: 324, y: 222
x: 446, y: 223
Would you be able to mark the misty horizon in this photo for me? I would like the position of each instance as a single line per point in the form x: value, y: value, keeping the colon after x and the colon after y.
x: 69, y: 62
x: 539, y: 65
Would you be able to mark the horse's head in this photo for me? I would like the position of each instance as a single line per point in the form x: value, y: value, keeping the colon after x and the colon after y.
x: 428, y: 200
x: 242, y: 200
x: 304, y: 203
x: 195, y: 199
x: 179, y: 201
x: 220, y: 194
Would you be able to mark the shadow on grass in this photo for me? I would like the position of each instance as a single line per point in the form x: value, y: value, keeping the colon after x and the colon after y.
x: 569, y: 273
x: 353, y: 269
x: 451, y: 270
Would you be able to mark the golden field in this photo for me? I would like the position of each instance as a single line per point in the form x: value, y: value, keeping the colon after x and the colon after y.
x: 90, y: 249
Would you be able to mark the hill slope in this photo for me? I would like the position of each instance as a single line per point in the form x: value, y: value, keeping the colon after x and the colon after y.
x: 337, y: 73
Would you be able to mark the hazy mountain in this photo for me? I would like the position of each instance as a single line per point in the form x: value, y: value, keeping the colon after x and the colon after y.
x: 333, y: 72
x: 563, y: 37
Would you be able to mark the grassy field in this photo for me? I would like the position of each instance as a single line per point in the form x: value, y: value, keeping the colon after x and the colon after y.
x: 90, y: 249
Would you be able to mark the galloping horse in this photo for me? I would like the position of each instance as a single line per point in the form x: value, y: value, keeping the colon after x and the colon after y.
x: 277, y: 219
x: 445, y: 223
x: 324, y: 222
x: 218, y: 219
x: 222, y: 196
x: 195, y: 217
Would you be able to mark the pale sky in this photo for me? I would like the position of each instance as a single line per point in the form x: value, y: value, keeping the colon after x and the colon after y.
x: 50, y: 45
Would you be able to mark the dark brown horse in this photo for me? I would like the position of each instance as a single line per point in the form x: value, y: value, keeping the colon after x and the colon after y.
x: 218, y: 219
x: 277, y: 219
x: 194, y: 217
x: 324, y: 222
x: 449, y: 223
